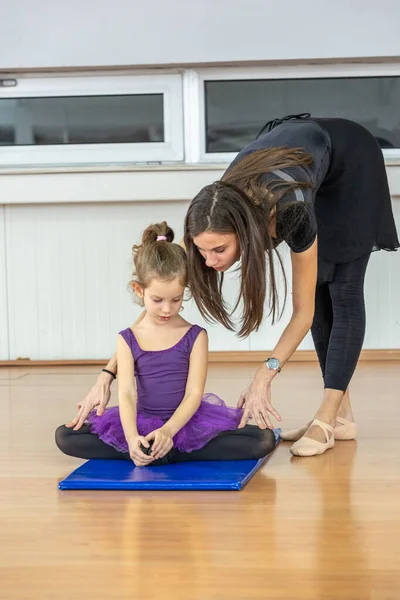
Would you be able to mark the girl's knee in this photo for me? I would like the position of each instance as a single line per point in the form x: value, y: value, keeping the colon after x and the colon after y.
x: 265, y: 443
x: 62, y: 434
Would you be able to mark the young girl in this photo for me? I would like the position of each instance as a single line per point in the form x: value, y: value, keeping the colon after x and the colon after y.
x: 163, y: 416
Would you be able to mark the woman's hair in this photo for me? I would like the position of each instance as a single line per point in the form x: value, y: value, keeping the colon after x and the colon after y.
x: 243, y: 204
x: 158, y: 258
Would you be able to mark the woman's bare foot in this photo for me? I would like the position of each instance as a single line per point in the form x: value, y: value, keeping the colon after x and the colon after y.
x: 344, y: 428
x: 345, y: 411
x: 327, y: 413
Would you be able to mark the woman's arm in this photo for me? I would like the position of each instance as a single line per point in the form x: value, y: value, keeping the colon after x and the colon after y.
x: 127, y: 395
x: 304, y: 279
x: 162, y: 437
x: 100, y: 393
x: 112, y: 365
x: 127, y: 399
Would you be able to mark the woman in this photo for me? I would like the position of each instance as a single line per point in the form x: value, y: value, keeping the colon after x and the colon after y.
x: 301, y: 177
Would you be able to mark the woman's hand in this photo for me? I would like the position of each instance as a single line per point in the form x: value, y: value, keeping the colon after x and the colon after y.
x: 256, y: 400
x: 99, y: 396
x: 162, y: 443
x: 137, y: 455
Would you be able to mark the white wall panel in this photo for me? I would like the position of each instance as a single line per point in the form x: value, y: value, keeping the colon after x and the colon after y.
x: 69, y: 266
x: 382, y: 296
x: 3, y: 291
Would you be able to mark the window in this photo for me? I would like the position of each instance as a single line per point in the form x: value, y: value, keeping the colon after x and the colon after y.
x: 236, y: 108
x: 197, y: 116
x: 91, y: 120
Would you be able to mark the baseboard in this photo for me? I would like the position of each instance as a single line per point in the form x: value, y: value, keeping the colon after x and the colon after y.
x: 241, y: 356
x: 299, y: 356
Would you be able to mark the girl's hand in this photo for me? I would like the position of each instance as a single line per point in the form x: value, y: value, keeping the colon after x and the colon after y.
x: 99, y: 396
x: 256, y: 401
x: 162, y: 443
x: 139, y: 458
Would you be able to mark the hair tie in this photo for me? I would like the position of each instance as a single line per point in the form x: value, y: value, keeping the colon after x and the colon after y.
x: 161, y: 238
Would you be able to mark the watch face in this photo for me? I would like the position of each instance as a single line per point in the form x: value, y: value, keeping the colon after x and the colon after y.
x: 273, y: 363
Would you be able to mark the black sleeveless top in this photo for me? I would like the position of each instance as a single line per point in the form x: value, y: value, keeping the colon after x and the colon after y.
x: 348, y: 204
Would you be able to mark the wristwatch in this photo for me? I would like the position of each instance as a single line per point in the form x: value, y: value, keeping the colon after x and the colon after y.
x: 273, y: 364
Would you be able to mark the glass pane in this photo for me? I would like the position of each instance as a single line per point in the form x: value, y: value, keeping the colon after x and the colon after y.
x: 82, y: 120
x: 236, y: 110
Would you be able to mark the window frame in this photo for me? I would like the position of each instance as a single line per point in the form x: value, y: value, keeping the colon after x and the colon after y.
x: 315, y: 71
x: 168, y: 84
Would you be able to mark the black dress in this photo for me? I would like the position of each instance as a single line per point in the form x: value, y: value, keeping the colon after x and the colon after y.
x: 349, y: 201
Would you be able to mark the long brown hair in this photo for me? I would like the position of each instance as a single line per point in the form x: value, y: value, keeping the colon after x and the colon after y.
x: 244, y: 204
x: 161, y: 259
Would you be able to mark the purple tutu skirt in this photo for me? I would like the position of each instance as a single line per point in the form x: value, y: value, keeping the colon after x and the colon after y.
x: 211, y: 418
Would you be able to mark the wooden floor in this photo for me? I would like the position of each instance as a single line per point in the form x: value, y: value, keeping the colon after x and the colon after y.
x: 325, y: 527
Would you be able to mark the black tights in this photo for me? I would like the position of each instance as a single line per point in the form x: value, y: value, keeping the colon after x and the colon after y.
x: 339, y: 323
x: 238, y: 444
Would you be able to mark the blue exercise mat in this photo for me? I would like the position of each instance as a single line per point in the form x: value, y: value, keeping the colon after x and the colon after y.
x: 202, y: 475
x: 123, y: 475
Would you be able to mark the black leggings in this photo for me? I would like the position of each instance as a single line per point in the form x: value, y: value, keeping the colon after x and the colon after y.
x: 250, y: 442
x: 339, y: 322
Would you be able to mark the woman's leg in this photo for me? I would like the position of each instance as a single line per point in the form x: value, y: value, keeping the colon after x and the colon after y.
x: 348, y: 331
x: 345, y: 410
x: 321, y: 331
x: 84, y: 444
x: 347, y: 335
x: 321, y: 328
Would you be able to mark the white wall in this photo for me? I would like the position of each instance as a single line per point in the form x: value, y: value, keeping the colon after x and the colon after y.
x: 52, y: 34
x: 4, y: 345
x: 69, y: 267
x: 65, y: 263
